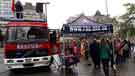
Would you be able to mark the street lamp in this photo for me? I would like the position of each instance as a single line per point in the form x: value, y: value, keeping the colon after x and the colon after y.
x: 106, y: 3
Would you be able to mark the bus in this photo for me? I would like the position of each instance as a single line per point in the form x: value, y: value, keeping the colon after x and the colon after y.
x: 28, y: 43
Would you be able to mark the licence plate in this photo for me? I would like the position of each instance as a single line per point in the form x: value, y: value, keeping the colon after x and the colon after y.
x: 28, y: 65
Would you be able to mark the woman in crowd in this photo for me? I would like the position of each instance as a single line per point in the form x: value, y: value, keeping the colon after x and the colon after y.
x: 119, y: 52
x: 105, y: 56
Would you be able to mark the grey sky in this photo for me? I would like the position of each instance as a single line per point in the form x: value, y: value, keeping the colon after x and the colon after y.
x: 60, y: 10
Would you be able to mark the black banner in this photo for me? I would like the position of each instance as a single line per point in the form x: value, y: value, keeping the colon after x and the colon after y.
x: 87, y: 28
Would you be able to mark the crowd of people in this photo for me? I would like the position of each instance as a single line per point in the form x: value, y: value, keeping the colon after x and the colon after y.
x: 105, y: 51
x: 102, y: 51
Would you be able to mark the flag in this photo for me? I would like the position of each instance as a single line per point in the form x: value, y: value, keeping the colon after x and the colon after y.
x: 13, y: 6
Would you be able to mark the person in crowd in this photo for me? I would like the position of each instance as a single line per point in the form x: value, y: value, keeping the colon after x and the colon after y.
x: 111, y: 52
x: 79, y: 47
x: 76, y: 51
x: 129, y: 48
x: 86, y: 50
x: 120, y: 53
x: 125, y: 47
x: 94, y: 53
x: 105, y: 56
x: 82, y: 48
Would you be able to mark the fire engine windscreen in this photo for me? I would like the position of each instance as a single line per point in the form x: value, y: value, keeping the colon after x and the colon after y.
x: 27, y: 33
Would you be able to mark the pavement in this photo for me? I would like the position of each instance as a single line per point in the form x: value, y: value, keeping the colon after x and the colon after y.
x: 128, y: 69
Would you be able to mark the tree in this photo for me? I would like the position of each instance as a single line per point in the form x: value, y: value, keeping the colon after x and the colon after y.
x: 130, y: 7
x: 127, y: 28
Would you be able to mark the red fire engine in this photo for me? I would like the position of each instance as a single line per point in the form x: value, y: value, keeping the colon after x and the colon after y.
x: 29, y: 44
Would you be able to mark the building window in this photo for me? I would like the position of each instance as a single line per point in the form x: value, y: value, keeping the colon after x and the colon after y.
x: 5, y: 8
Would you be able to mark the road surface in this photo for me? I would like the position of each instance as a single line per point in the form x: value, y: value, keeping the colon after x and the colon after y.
x: 81, y: 70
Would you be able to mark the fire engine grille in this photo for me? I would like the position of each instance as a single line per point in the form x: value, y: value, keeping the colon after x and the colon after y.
x: 26, y: 53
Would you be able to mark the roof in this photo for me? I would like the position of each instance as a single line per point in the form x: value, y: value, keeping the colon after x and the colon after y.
x: 84, y: 25
x: 84, y: 20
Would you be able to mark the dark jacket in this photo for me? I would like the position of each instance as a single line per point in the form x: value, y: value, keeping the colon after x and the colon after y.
x: 94, y: 49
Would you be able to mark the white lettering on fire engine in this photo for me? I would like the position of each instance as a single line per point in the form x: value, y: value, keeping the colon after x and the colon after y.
x: 27, y: 46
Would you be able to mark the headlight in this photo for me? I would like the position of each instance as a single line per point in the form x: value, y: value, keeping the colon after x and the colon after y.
x: 10, y: 61
x: 45, y: 58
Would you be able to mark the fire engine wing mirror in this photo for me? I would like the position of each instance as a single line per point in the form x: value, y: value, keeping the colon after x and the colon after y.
x: 53, y: 37
x: 2, y: 36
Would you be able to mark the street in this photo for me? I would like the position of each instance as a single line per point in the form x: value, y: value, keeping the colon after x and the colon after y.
x: 127, y: 69
x: 42, y: 71
x: 82, y: 70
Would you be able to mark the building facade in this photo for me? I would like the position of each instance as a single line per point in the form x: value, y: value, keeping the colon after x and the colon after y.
x: 6, y: 8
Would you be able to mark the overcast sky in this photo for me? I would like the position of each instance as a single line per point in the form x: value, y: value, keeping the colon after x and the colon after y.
x: 60, y: 10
